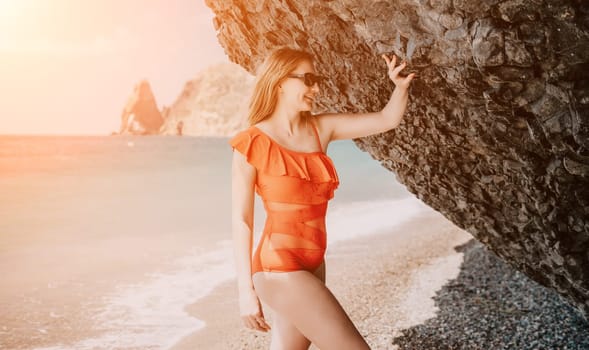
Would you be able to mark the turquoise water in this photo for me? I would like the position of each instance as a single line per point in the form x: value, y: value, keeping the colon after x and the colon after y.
x: 127, y: 217
x: 142, y: 186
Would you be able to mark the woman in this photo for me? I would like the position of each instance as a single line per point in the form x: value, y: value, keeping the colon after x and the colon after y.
x: 281, y: 156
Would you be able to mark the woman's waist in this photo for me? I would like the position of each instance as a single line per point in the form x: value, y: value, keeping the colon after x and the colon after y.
x: 294, y: 230
x: 295, y: 211
x: 307, y: 193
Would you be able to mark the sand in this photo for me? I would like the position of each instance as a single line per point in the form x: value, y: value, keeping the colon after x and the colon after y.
x: 385, y: 282
x: 425, y: 284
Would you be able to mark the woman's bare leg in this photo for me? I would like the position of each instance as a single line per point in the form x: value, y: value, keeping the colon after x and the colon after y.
x: 285, y: 336
x: 308, y: 305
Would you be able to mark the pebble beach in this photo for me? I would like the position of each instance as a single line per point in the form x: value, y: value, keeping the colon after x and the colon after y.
x: 429, y: 285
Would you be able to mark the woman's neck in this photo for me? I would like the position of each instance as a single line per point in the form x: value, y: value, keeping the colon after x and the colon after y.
x: 287, y: 122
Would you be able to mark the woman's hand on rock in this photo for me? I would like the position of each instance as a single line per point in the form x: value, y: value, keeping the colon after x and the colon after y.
x: 399, y: 81
x: 251, y: 311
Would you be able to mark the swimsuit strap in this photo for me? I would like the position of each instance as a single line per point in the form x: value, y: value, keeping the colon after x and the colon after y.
x: 317, y: 135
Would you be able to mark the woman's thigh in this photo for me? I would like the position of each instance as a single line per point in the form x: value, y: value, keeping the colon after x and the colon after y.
x: 285, y: 336
x: 309, y: 306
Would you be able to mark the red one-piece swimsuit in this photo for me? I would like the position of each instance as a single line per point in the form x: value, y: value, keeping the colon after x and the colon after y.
x: 295, y: 188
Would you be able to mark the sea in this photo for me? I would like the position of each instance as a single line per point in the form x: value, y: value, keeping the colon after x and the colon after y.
x: 104, y: 240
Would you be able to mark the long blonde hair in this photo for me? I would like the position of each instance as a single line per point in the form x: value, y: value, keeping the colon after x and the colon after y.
x: 276, y: 67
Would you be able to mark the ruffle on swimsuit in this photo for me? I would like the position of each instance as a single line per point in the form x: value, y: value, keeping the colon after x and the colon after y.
x: 271, y: 159
x: 294, y: 236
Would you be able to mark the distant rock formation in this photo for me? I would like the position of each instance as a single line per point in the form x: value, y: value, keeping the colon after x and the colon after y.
x: 496, y: 135
x: 141, y: 115
x: 212, y: 104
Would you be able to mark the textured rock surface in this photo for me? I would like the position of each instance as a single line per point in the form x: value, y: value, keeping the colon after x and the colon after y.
x: 211, y: 104
x: 140, y: 115
x: 496, y: 136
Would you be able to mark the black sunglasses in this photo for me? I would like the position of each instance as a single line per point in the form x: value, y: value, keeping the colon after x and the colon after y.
x: 308, y: 78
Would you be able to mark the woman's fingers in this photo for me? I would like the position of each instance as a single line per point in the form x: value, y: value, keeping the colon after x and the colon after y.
x: 399, y: 68
x: 405, y: 82
x: 259, y: 317
x: 262, y: 323
x: 390, y: 63
x: 256, y: 323
x: 249, y: 323
x: 394, y: 71
x: 251, y: 311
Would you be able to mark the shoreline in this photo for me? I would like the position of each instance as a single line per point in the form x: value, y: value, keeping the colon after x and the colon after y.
x: 386, y: 263
x: 427, y: 285
x: 422, y: 284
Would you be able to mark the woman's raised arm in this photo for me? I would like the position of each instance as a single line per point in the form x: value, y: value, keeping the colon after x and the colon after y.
x: 353, y: 125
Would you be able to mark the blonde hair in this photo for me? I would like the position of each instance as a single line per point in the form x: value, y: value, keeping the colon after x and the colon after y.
x: 276, y: 67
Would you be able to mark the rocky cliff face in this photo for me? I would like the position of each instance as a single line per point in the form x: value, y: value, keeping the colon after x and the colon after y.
x: 496, y: 136
x: 141, y: 115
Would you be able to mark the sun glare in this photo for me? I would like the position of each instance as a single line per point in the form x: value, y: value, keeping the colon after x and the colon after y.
x: 10, y: 8
x: 11, y: 14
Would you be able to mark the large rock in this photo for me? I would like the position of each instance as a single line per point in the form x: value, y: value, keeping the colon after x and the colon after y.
x: 214, y: 103
x: 496, y: 136
x: 141, y: 115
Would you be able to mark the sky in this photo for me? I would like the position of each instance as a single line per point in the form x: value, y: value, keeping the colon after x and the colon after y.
x: 67, y: 67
